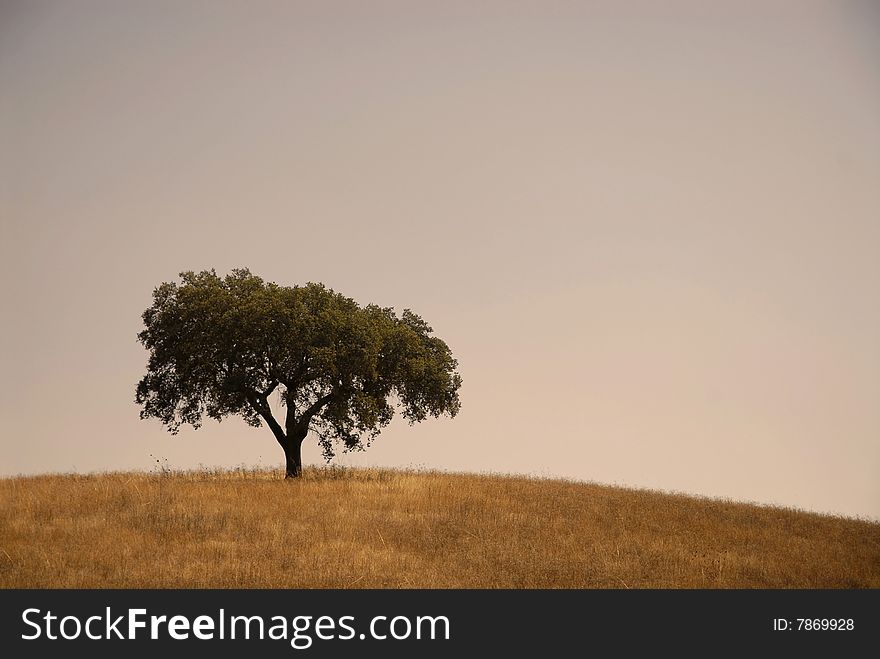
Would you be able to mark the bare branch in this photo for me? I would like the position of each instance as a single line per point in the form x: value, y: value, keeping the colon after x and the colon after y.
x: 261, y: 405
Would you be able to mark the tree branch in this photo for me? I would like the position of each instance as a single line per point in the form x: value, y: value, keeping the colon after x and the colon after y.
x: 261, y: 405
x: 315, y: 407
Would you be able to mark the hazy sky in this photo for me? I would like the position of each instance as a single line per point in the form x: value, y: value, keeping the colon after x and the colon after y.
x: 649, y: 231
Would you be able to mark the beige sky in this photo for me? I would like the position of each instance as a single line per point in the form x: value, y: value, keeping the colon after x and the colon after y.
x: 649, y: 231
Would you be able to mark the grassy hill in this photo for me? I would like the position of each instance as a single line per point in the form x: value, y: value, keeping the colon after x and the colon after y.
x: 370, y: 528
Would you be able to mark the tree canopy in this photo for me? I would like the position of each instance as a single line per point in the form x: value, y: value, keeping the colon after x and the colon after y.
x: 220, y: 346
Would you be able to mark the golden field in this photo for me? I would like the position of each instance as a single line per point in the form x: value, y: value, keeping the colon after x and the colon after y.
x: 369, y: 528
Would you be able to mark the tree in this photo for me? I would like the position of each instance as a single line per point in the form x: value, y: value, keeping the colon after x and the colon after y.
x: 222, y: 346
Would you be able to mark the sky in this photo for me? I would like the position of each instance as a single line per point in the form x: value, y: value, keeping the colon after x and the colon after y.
x: 648, y: 231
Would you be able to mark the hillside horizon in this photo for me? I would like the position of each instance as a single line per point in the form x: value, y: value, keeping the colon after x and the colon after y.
x: 380, y: 528
x: 323, y: 468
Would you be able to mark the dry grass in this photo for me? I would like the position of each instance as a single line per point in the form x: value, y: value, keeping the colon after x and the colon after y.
x: 389, y: 529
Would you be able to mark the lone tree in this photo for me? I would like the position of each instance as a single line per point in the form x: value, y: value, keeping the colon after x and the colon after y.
x: 222, y: 346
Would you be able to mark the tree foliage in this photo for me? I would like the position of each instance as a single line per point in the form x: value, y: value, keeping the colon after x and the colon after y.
x: 221, y: 346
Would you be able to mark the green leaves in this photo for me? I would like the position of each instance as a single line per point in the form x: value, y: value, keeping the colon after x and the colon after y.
x: 219, y: 345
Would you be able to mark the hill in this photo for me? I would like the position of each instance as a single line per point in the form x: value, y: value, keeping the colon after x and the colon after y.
x: 370, y: 528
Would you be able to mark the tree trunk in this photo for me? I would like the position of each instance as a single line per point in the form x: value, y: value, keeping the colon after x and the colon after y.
x: 293, y: 457
x: 293, y: 451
